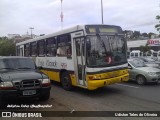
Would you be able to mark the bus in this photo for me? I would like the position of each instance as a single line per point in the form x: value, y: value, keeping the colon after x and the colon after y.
x: 136, y: 53
x: 87, y: 56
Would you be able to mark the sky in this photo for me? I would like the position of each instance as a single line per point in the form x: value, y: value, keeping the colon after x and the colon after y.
x: 17, y: 16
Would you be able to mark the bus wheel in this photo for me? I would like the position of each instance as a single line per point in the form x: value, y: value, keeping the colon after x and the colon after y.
x: 66, y: 81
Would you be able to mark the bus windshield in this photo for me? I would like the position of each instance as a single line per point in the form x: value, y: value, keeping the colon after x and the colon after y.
x: 105, y: 50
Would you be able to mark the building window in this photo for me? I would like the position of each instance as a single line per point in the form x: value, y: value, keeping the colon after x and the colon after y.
x: 51, y: 47
x: 41, y: 48
x: 34, y: 49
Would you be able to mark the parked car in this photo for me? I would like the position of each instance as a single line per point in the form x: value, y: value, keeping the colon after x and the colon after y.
x: 141, y: 73
x: 150, y: 62
x: 19, y: 78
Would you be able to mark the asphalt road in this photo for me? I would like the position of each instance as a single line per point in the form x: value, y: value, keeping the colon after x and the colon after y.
x: 117, y: 97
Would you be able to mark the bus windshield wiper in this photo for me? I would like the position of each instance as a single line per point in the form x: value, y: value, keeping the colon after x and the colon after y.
x: 25, y: 68
x: 7, y: 68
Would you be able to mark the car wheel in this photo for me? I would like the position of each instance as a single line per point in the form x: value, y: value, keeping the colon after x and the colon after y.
x: 141, y: 80
x: 66, y: 81
x: 45, y: 97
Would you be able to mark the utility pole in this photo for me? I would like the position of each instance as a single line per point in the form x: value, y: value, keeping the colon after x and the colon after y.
x: 102, y: 10
x: 61, y: 16
x: 31, y: 31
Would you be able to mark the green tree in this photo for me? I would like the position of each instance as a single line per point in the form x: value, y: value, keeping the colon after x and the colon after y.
x: 145, y: 48
x: 158, y: 25
x: 7, y: 47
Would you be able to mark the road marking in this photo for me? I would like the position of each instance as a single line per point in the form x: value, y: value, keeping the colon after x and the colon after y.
x: 126, y: 85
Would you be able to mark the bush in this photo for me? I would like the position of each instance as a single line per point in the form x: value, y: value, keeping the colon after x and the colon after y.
x: 7, y: 47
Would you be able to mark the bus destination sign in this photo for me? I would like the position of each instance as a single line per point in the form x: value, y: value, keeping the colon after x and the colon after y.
x: 103, y: 29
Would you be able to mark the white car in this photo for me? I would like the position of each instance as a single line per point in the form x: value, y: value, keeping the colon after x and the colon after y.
x: 139, y: 72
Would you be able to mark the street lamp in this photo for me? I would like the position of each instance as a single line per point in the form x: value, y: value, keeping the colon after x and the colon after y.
x: 102, y: 10
x: 31, y: 31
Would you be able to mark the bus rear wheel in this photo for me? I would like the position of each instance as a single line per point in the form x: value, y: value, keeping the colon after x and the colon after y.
x: 66, y: 81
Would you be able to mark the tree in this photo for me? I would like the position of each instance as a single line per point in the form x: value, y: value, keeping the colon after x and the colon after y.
x: 7, y: 47
x: 158, y: 25
x: 145, y: 48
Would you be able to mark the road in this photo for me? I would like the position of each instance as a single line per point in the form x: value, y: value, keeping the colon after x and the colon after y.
x: 117, y: 97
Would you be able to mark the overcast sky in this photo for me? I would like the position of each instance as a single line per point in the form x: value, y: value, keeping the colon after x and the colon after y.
x: 16, y: 16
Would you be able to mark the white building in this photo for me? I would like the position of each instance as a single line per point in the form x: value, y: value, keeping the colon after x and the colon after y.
x: 10, y: 36
x: 134, y: 45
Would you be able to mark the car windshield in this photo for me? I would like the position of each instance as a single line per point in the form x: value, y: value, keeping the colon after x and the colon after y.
x: 105, y: 50
x: 137, y: 63
x: 148, y: 59
x: 17, y: 63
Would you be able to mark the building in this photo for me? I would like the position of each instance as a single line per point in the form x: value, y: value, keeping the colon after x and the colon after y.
x: 135, y: 45
x: 19, y: 38
x: 11, y: 36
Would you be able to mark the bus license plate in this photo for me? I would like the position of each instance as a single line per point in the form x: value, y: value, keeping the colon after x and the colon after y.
x: 29, y: 92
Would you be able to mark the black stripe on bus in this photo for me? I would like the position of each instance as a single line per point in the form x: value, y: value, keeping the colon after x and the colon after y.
x: 89, y: 73
x: 57, y: 70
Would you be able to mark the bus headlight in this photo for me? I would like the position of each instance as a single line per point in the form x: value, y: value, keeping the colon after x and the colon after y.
x: 95, y: 77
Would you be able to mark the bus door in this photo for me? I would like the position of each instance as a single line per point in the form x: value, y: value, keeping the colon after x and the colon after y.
x: 79, y: 55
x: 22, y: 50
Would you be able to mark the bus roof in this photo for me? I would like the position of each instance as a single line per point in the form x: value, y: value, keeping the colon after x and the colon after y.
x: 68, y: 30
x: 71, y: 29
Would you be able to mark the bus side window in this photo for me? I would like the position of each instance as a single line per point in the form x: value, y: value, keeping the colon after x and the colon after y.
x: 64, y: 45
x: 27, y: 50
x: 41, y: 48
x: 18, y: 50
x: 34, y: 49
x: 51, y: 47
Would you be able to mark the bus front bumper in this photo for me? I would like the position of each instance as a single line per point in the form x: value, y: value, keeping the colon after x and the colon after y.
x: 94, y: 84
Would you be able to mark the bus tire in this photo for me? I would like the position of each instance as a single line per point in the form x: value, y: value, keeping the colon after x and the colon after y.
x: 66, y: 81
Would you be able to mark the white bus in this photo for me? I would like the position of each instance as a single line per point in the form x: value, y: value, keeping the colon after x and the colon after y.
x: 88, y: 56
x: 136, y: 53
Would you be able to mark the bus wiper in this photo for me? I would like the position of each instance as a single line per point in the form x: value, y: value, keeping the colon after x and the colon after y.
x: 25, y: 68
x: 98, y: 35
x: 7, y: 68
